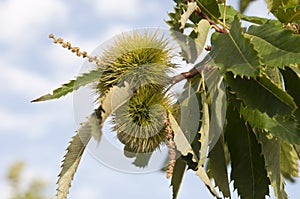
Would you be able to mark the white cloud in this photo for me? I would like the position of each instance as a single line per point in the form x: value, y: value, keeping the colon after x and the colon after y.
x: 21, y: 21
x: 33, y: 125
x: 20, y: 81
x: 120, y: 8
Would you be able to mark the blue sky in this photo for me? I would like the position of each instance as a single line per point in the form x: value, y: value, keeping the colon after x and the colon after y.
x: 31, y: 65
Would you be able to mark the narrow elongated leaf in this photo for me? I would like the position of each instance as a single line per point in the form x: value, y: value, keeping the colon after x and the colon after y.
x: 233, y: 52
x: 202, y: 29
x: 218, y: 167
x: 203, y: 176
x: 285, y: 129
x: 262, y: 94
x: 181, y: 142
x: 276, y: 46
x: 191, y: 6
x: 114, y: 99
x: 289, y: 161
x: 177, y: 176
x: 271, y: 153
x: 217, y: 96
x: 247, y: 164
x: 204, y: 130
x: 72, y: 85
x: 73, y: 156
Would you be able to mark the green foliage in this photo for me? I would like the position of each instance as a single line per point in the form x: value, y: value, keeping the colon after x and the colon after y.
x: 237, y: 53
x: 248, y: 166
x: 240, y: 107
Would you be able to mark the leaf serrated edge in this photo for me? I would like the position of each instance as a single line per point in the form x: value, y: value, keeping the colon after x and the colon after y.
x: 72, y: 85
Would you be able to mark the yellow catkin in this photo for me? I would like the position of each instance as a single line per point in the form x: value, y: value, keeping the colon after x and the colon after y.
x: 171, y: 146
x: 75, y: 50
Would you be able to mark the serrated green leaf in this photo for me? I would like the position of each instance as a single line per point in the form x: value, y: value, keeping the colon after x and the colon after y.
x: 73, y: 156
x: 218, y: 167
x: 274, y: 4
x: 271, y: 154
x: 180, y: 140
x: 177, y: 176
x: 280, y: 127
x: 288, y: 14
x: 191, y: 6
x: 210, y: 7
x: 233, y: 52
x: 247, y: 164
x: 231, y: 13
x: 275, y: 46
x: 203, y: 176
x: 262, y: 94
x: 288, y: 161
x: 84, y: 79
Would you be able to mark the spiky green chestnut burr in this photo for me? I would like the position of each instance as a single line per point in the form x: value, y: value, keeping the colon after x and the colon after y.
x: 143, y: 61
x: 140, y: 123
x: 137, y: 58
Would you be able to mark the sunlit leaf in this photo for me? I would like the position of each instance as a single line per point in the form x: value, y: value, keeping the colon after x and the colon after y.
x: 203, y: 176
x: 84, y: 79
x: 247, y: 165
x: 73, y: 156
x: 271, y: 153
x: 177, y: 176
x: 276, y: 46
x: 202, y: 29
x: 114, y: 99
x: 234, y: 52
x: 191, y: 6
x: 181, y: 142
x: 289, y: 161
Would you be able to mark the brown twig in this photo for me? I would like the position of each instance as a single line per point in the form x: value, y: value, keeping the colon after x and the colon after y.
x: 211, y: 22
x: 186, y: 75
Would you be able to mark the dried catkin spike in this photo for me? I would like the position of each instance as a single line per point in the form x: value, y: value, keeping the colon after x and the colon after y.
x: 75, y: 50
x: 171, y: 146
